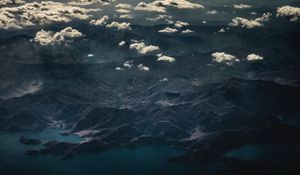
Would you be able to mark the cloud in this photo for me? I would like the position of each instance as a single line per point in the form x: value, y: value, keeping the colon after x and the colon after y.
x: 169, y: 21
x: 168, y: 30
x: 100, y: 22
x: 89, y: 2
x: 222, y: 30
x: 161, y: 5
x: 128, y: 64
x: 119, y: 68
x: 288, y: 11
x: 164, y: 80
x: 182, y: 4
x: 50, y: 38
x: 222, y: 57
x: 10, y: 2
x: 151, y: 7
x: 124, y: 6
x: 180, y: 24
x: 159, y: 54
x: 119, y: 25
x: 126, y: 16
x: 143, y: 68
x: 245, y: 23
x: 212, y: 12
x: 166, y: 58
x: 187, y: 31
x: 160, y: 17
x: 43, y: 13
x: 142, y: 48
x: 254, y: 57
x: 123, y: 11
x: 241, y: 6
x: 122, y: 43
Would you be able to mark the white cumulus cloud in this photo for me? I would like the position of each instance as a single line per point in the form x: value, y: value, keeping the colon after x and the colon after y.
x: 142, y: 48
x: 143, y: 68
x: 9, y: 2
x: 43, y: 13
x: 124, y: 6
x: 187, y: 31
x: 180, y: 24
x: 254, y: 57
x: 252, y: 23
x: 161, y: 5
x: 119, y: 25
x: 288, y: 11
x: 50, y: 38
x: 222, y: 57
x: 166, y: 58
x: 126, y: 16
x: 88, y: 2
x: 160, y: 17
x: 122, y: 43
x: 168, y: 30
x: 100, y: 22
x: 212, y: 12
x: 123, y: 11
x: 128, y: 64
x: 119, y: 68
x: 241, y: 6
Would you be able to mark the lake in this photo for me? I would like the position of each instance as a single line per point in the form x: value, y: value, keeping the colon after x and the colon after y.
x: 150, y: 159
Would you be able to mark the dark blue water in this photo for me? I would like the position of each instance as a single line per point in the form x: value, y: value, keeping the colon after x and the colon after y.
x: 258, y: 152
x: 144, y: 160
x: 10, y: 145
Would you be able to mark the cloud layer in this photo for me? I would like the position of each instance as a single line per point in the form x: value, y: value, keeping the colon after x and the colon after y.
x: 88, y: 2
x: 10, y: 2
x: 161, y: 5
x: 43, y: 13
